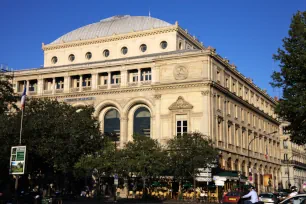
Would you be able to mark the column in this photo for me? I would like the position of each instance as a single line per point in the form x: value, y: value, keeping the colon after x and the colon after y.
x: 123, y: 131
x: 109, y: 80
x: 81, y: 83
x: 157, y: 133
x: 139, y: 76
x: 53, y: 85
x: 40, y: 86
x: 66, y: 84
x: 94, y: 81
x: 123, y: 75
x: 27, y: 85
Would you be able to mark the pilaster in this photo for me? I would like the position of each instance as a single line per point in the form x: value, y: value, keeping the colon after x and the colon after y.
x: 123, y: 131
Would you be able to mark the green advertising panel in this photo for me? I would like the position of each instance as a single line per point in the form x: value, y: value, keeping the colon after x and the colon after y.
x: 17, y: 161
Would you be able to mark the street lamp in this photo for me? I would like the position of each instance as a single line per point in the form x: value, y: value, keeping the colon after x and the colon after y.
x: 257, y: 136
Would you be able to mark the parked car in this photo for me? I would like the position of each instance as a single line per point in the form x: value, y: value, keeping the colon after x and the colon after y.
x: 281, y: 195
x: 268, y: 198
x: 232, y: 198
x: 298, y: 199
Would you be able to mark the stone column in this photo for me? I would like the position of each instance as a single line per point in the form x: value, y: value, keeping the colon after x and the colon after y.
x: 109, y: 80
x: 123, y: 130
x: 81, y: 83
x: 157, y: 128
x: 123, y: 75
x: 53, y: 85
x: 139, y: 76
x: 40, y: 86
x: 155, y: 75
x: 27, y: 85
x: 94, y: 81
x: 67, y: 84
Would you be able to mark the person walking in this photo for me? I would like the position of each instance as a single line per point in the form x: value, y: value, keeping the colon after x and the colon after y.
x: 252, y: 194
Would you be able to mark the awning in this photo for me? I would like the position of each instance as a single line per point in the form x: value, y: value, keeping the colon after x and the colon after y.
x: 232, y: 175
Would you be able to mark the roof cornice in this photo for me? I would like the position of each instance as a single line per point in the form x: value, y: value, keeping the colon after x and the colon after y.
x: 110, y: 38
x: 189, y: 37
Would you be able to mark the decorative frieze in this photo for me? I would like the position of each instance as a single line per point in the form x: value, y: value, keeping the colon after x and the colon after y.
x: 180, y: 104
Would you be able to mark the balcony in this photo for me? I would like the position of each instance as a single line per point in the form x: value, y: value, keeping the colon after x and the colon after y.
x: 75, y: 89
x: 293, y: 162
x: 59, y: 90
x: 146, y: 82
x: 31, y: 93
x: 115, y: 86
x: 131, y: 84
x: 104, y: 86
x: 47, y: 91
x: 86, y: 88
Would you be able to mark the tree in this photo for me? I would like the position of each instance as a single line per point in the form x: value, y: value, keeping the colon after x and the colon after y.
x: 292, y: 79
x: 144, y: 157
x: 189, y: 152
x: 7, y: 96
x: 56, y: 135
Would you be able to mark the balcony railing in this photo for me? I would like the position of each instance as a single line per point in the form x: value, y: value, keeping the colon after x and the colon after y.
x: 75, y: 89
x: 86, y: 88
x: 32, y: 93
x: 59, y: 90
x: 114, y: 86
x: 47, y: 91
x: 104, y: 86
x: 133, y: 84
x: 146, y: 82
x: 293, y: 162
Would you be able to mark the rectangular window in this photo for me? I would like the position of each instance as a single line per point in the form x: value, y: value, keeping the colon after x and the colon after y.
x: 236, y: 111
x: 218, y: 102
x: 218, y: 76
x: 285, y: 143
x: 116, y: 78
x: 146, y: 74
x: 181, y: 124
x: 229, y: 135
x: 242, y: 114
x: 285, y: 156
x: 226, y: 83
x: 228, y: 107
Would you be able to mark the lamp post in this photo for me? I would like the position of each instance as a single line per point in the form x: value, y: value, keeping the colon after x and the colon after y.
x: 255, y: 137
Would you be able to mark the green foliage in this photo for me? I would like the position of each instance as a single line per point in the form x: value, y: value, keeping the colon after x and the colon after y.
x: 292, y: 78
x: 143, y: 157
x: 189, y: 152
x: 7, y: 96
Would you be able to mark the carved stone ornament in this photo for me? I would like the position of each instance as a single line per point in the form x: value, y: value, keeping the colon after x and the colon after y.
x: 180, y: 72
x: 180, y: 104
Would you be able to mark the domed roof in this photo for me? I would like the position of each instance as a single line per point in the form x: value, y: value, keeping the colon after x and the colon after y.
x: 112, y: 25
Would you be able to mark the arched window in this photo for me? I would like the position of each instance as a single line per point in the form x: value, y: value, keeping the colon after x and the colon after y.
x: 112, y: 123
x: 142, y: 122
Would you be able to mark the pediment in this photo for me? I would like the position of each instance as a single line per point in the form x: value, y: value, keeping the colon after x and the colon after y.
x: 179, y: 104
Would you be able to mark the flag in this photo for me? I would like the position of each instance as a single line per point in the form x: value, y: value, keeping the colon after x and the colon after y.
x: 23, y: 97
x: 266, y: 154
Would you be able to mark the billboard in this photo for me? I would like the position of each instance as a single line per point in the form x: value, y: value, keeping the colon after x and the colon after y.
x: 267, y: 180
x: 17, y: 160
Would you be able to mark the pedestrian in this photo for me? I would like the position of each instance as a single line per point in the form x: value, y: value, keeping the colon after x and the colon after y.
x: 252, y: 194
x: 294, y: 192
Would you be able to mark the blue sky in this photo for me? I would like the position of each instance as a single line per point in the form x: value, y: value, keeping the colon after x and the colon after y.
x: 247, y: 32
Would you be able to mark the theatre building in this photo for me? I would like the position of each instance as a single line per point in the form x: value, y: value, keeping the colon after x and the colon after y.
x: 146, y: 76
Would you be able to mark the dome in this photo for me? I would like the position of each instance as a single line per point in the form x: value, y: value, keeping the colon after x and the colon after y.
x: 112, y: 25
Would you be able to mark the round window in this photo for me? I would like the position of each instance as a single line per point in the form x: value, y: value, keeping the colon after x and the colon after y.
x: 71, y: 58
x: 163, y: 44
x: 54, y: 60
x: 143, y: 48
x: 124, y: 50
x: 106, y: 53
x: 88, y: 55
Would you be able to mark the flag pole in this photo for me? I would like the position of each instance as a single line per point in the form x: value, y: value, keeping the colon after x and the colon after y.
x: 21, y: 123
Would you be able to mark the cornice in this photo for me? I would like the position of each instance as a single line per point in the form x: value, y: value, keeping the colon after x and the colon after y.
x: 233, y: 69
x: 124, y: 90
x: 235, y: 97
x: 110, y: 38
x: 189, y: 37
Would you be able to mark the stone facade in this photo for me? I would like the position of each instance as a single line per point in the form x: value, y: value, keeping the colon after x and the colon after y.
x: 293, y: 160
x: 182, y: 87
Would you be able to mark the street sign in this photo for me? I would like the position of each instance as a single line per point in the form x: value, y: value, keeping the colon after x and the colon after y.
x: 116, y: 181
x: 202, y: 179
x: 17, y: 160
x: 205, y: 174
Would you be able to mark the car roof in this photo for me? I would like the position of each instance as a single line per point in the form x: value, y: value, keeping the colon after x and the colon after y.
x: 298, y: 195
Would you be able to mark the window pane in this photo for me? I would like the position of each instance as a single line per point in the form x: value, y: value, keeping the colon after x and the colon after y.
x: 185, y: 129
x: 179, y: 123
x: 178, y: 130
x: 185, y: 123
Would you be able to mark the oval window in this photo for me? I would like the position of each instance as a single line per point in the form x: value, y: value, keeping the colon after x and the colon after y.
x: 54, y: 60
x: 163, y: 44
x: 124, y: 50
x: 71, y: 58
x: 88, y: 55
x: 143, y: 48
x: 106, y: 53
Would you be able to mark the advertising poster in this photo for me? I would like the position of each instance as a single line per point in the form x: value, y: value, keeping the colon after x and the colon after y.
x: 17, y: 160
x: 267, y: 180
